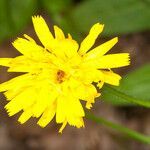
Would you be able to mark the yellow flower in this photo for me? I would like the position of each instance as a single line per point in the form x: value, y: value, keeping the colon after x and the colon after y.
x: 58, y: 75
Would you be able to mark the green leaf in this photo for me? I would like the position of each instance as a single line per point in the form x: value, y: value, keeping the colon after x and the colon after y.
x: 134, y: 88
x: 119, y: 17
x: 14, y: 15
x: 126, y: 131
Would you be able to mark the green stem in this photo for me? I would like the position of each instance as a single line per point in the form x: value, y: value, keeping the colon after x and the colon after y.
x: 126, y: 131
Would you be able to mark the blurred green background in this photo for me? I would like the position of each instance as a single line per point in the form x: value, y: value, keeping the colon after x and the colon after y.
x: 77, y: 16
x: 128, y: 104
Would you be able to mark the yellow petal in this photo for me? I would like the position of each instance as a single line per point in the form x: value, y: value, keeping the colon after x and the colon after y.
x: 22, y: 101
x: 88, y: 42
x: 63, y: 126
x: 69, y: 47
x: 42, y: 31
x: 74, y: 60
x: 111, y: 78
x: 47, y: 116
x: 69, y: 36
x: 73, y: 112
x: 108, y: 61
x: 11, y: 106
x: 46, y: 96
x: 75, y: 121
x: 101, y: 50
x: 65, y: 48
x: 5, y: 61
x: 61, y: 110
x: 89, y: 75
x: 17, y: 82
x: 22, y: 68
x: 74, y: 107
x: 26, y: 115
x: 30, y: 49
x: 87, y: 93
x: 68, y: 106
x: 10, y: 94
x: 29, y: 38
x: 59, y: 35
x: 25, y: 64
x: 100, y: 84
x: 114, y: 61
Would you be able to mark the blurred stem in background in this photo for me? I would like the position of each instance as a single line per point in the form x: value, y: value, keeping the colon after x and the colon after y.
x: 126, y: 131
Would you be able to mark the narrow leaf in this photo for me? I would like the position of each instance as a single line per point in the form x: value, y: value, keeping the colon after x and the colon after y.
x: 133, y: 89
x: 130, y: 99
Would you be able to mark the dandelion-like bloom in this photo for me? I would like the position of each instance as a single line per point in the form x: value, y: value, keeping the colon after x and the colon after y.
x: 58, y: 75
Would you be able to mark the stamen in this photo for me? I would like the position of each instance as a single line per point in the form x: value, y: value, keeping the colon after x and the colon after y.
x: 60, y: 76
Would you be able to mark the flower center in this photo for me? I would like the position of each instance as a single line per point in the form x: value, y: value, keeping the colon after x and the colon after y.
x: 60, y: 76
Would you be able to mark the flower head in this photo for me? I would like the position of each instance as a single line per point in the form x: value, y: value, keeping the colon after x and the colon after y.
x: 58, y: 75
